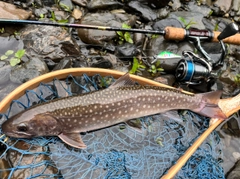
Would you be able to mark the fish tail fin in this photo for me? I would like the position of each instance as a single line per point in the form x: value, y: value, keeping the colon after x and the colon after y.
x: 209, y: 105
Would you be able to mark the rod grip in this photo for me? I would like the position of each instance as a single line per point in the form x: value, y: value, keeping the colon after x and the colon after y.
x: 235, y: 39
x: 174, y: 33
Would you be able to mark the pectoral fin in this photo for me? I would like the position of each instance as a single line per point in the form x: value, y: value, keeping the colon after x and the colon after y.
x: 73, y: 139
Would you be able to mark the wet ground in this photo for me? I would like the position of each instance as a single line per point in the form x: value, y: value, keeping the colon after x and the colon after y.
x: 52, y: 48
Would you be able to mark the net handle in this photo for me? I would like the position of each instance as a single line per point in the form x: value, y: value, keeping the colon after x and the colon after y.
x: 229, y: 106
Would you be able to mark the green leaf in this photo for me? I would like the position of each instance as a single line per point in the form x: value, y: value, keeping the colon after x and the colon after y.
x: 14, y: 61
x: 120, y: 42
x: 134, y: 66
x: 182, y: 20
x: 53, y: 15
x: 120, y: 33
x: 2, y: 30
x: 9, y: 52
x: 65, y: 7
x: 42, y: 16
x: 63, y: 21
x: 3, y: 57
x: 154, y: 36
x: 128, y: 38
x: 158, y: 63
x: 153, y: 67
x: 19, y: 54
x: 142, y: 66
x: 160, y: 69
x: 125, y: 26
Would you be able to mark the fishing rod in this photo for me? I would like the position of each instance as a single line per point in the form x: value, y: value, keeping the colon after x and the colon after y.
x: 169, y: 33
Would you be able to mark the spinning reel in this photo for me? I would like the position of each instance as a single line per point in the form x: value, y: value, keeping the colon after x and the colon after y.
x: 192, y: 69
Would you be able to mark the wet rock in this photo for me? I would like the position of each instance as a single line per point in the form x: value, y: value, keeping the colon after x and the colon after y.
x: 234, y: 172
x: 39, y: 12
x: 227, y: 77
x: 203, y: 9
x: 102, y: 63
x: 80, y: 61
x: 103, y: 19
x: 158, y: 3
x: 63, y: 64
x: 6, y: 86
x: 66, y: 5
x: 224, y: 6
x: 7, y: 43
x: 15, y: 157
x: 77, y: 14
x: 80, y: 2
x: 162, y: 13
x: 171, y: 22
x: 104, y: 4
x: 50, y: 64
x: 193, y: 18
x: 138, y: 39
x: 9, y: 11
x: 5, y: 74
x: 146, y: 12
x: 61, y: 15
x: 48, y: 42
x: 236, y: 5
x: 127, y: 50
x: 29, y: 70
x: 175, y: 4
x: 4, y: 166
x: 210, y: 23
x: 166, y: 79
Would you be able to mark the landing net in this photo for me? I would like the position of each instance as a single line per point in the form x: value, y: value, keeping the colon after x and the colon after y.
x: 117, y: 152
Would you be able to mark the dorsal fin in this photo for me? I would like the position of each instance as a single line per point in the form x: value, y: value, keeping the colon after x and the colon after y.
x: 122, y: 81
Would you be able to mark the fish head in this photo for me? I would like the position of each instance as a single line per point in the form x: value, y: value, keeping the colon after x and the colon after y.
x: 24, y: 126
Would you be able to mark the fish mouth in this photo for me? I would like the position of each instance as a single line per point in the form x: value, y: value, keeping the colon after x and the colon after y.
x: 17, y: 134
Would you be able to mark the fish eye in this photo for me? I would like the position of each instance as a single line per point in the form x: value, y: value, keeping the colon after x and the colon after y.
x: 22, y: 127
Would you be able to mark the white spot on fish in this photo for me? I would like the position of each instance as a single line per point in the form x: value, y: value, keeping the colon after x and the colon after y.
x: 94, y: 119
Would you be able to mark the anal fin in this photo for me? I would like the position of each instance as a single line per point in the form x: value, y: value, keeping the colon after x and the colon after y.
x: 73, y: 139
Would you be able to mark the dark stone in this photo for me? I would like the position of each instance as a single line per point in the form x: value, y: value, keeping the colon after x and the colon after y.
x: 146, y: 12
x: 63, y: 64
x: 49, y: 42
x: 29, y: 70
x: 158, y: 3
x: 104, y: 4
x: 126, y: 50
x: 170, y: 22
x: 90, y: 36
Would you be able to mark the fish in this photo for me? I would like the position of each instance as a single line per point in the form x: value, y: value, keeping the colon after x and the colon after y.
x: 124, y: 100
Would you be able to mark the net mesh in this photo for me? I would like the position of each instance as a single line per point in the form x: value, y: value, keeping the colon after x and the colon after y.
x: 117, y: 152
